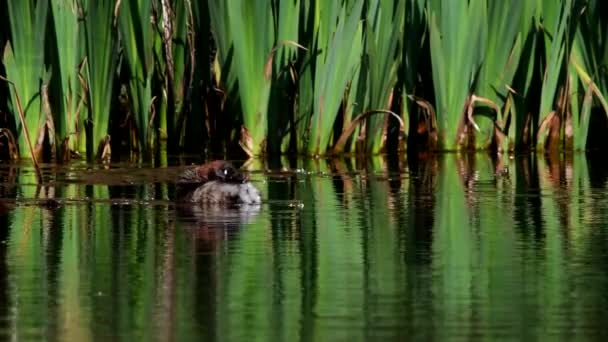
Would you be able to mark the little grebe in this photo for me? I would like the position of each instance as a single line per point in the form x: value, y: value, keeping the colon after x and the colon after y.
x: 217, y: 182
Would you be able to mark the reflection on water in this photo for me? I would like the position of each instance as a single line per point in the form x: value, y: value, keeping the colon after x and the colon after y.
x: 443, y: 247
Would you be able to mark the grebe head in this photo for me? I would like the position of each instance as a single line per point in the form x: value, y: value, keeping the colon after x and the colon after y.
x: 226, y: 172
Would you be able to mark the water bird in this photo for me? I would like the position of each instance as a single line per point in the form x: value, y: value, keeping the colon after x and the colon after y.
x: 217, y: 182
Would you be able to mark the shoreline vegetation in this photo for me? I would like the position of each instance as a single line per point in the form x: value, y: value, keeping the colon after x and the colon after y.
x: 105, y: 79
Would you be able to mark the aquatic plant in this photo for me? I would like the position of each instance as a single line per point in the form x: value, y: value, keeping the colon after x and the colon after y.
x: 456, y: 54
x: 66, y: 52
x: 269, y: 76
x: 587, y: 76
x: 383, y: 38
x: 138, y: 41
x: 336, y: 52
x: 24, y: 61
x: 102, y: 58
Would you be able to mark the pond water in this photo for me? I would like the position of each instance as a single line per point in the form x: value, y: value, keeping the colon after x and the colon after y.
x: 443, y: 247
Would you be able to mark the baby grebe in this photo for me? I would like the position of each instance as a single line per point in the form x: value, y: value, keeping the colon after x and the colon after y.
x: 217, y: 182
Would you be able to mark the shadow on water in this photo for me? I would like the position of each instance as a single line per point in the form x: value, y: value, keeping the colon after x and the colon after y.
x: 435, y: 247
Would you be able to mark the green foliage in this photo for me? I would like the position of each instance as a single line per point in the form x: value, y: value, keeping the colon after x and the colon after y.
x: 252, y: 49
x: 506, y: 28
x: 275, y: 76
x: 588, y: 60
x: 68, y: 119
x: 282, y: 97
x: 137, y: 42
x: 335, y: 54
x: 558, y: 40
x: 383, y: 39
x: 456, y: 33
x: 102, y: 57
x: 25, y: 68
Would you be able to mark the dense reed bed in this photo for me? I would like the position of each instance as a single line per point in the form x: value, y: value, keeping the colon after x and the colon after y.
x: 266, y: 77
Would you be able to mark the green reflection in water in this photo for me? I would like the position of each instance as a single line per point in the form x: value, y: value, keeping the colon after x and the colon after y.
x: 437, y: 248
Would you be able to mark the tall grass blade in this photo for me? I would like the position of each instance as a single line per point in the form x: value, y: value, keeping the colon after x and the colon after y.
x: 338, y: 29
x: 101, y: 49
x: 24, y: 62
x: 383, y: 38
x: 218, y: 16
x: 587, y: 62
x: 68, y: 119
x: 556, y: 20
x: 137, y: 38
x: 456, y: 31
x: 173, y: 45
x: 354, y: 102
x: 180, y: 55
x: 222, y: 101
x: 523, y: 93
x: 286, y: 16
x: 415, y: 40
x: 508, y: 24
x: 252, y: 49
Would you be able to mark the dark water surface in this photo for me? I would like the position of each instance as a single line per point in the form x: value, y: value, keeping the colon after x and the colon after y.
x: 452, y: 247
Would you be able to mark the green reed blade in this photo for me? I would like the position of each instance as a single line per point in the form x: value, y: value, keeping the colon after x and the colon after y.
x: 580, y: 110
x: 335, y: 59
x: 456, y: 32
x: 286, y: 15
x: 194, y: 102
x: 305, y: 90
x: 525, y: 84
x: 587, y: 62
x: 304, y: 109
x: 287, y: 20
x: 223, y: 106
x: 137, y: 41
x: 415, y: 46
x: 556, y: 20
x: 508, y: 24
x: 24, y: 62
x: 101, y: 50
x: 218, y: 15
x: 67, y: 53
x: 252, y: 47
x: 383, y: 35
x: 354, y: 102
x: 245, y: 36
x: 172, y: 55
x: 574, y: 134
x: 180, y: 54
